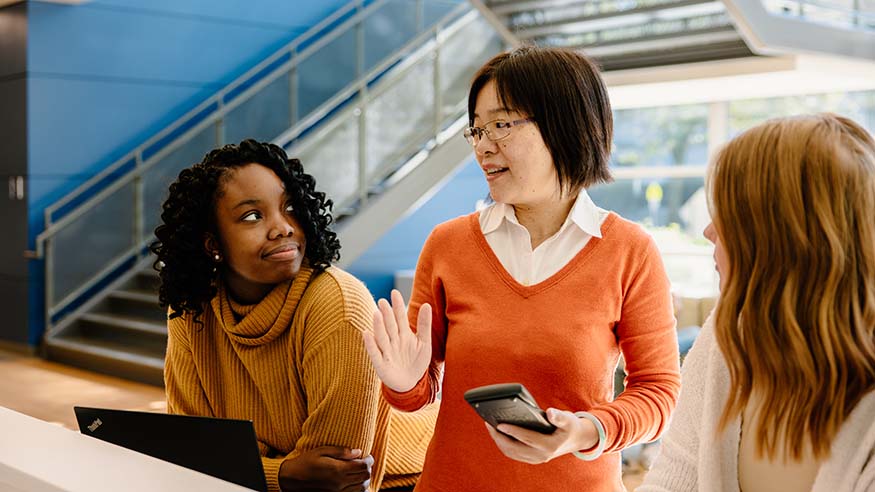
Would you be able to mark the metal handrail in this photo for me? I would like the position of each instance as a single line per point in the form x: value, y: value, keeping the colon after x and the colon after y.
x: 405, y: 64
x: 411, y: 53
x: 217, y: 100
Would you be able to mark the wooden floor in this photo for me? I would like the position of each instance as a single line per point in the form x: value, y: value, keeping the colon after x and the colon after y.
x: 48, y: 391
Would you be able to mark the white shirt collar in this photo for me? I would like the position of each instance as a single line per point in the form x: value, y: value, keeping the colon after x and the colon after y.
x: 584, y: 214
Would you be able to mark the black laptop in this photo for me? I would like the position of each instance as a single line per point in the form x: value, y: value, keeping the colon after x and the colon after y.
x: 223, y: 448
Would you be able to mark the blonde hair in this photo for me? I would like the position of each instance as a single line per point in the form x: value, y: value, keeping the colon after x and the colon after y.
x: 793, y: 201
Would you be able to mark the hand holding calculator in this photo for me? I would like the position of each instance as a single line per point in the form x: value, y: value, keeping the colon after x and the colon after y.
x: 509, y: 403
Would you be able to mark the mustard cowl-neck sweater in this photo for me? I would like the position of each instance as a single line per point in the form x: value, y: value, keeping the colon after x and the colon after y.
x: 295, y: 365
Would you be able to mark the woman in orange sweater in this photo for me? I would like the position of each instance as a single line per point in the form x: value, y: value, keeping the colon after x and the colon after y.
x: 261, y: 327
x: 542, y: 288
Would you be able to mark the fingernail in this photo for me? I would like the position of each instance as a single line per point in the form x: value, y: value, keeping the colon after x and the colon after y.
x: 356, y: 452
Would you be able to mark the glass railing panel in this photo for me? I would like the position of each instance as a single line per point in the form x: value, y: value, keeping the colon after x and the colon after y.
x: 332, y: 158
x: 263, y: 116
x: 157, y: 179
x: 324, y: 73
x: 400, y: 117
x: 459, y: 60
x: 89, y: 242
x: 388, y: 29
x: 434, y: 10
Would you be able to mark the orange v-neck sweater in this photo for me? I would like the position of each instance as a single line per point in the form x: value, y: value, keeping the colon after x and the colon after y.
x: 561, y: 338
x: 295, y: 365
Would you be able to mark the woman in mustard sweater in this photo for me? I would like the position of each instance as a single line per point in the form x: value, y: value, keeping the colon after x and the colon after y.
x: 261, y: 327
x: 542, y: 288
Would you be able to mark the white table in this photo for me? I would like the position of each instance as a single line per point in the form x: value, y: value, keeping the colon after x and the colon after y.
x: 37, y: 456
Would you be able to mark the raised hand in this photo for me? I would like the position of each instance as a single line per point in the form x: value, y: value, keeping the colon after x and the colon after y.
x: 327, y: 468
x: 399, y: 356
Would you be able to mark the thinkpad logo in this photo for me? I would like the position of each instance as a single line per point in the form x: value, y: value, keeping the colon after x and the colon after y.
x: 94, y: 425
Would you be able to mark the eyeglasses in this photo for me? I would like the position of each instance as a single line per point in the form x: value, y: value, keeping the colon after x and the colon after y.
x: 494, y: 130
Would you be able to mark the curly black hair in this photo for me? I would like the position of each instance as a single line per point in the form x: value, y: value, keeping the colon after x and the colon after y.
x: 186, y: 270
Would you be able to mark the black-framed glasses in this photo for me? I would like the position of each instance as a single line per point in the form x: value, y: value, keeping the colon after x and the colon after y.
x: 494, y: 130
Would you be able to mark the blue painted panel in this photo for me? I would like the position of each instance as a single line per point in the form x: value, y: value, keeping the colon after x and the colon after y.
x: 284, y: 13
x: 77, y: 127
x: 101, y: 43
x: 399, y: 248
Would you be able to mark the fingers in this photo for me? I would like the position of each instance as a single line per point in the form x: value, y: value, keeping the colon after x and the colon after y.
x: 389, y: 322
x: 423, y: 325
x: 355, y: 475
x: 355, y: 471
x: 561, y: 418
x: 338, y: 452
x: 514, y: 450
x: 505, y: 444
x: 525, y: 436
x: 400, y: 311
x: 374, y: 353
x: 380, y: 334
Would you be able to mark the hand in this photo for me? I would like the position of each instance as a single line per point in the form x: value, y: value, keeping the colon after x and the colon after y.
x: 572, y: 434
x: 327, y: 468
x: 399, y: 356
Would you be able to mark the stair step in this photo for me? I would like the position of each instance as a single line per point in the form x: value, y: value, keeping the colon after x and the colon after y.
x: 147, y: 280
x: 108, y: 358
x: 134, y: 302
x: 137, y: 295
x: 127, y: 323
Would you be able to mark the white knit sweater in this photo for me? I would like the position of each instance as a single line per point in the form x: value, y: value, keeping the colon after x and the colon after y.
x: 692, y: 458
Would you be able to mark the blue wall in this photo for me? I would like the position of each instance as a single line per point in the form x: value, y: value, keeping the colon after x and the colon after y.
x: 106, y: 75
x: 400, y: 247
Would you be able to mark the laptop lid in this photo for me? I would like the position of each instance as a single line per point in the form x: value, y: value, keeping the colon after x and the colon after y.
x: 223, y: 448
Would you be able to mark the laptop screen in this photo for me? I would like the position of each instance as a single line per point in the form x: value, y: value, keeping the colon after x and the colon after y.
x: 222, y: 448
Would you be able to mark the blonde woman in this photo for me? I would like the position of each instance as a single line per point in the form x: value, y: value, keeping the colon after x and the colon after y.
x: 777, y: 392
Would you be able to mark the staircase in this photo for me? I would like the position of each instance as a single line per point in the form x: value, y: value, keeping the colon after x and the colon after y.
x: 627, y: 34
x: 633, y: 34
x: 123, y: 332
x: 392, y: 134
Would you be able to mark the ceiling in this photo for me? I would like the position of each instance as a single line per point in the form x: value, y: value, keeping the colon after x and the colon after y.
x: 745, y: 78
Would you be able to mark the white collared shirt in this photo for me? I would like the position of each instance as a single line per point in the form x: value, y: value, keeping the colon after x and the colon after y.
x: 512, y: 243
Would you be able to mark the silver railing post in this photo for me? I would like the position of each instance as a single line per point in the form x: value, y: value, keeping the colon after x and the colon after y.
x: 49, y: 266
x: 436, y: 80
x: 293, y: 90
x: 362, y: 115
x: 220, y: 124
x: 139, y: 206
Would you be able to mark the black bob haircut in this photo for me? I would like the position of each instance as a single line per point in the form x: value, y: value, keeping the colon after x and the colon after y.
x: 186, y: 269
x: 565, y: 94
